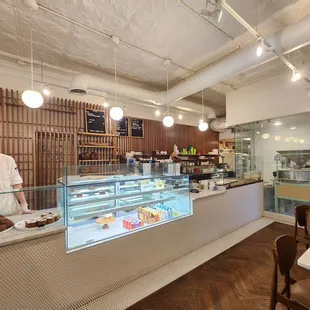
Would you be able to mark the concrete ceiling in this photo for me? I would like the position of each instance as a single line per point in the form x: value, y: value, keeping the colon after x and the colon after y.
x: 150, y: 31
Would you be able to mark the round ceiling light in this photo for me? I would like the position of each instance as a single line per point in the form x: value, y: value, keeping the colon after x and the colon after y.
x: 105, y: 104
x: 302, y: 141
x: 203, y: 126
x: 266, y: 136
x: 157, y: 112
x: 32, y: 99
x: 116, y: 113
x: 278, y: 138
x: 168, y: 121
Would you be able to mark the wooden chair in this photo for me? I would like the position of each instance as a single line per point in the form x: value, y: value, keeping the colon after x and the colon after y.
x: 300, y: 219
x: 284, y: 255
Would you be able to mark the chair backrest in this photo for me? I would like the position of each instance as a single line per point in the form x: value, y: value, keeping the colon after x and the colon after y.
x: 308, y: 220
x: 285, y: 253
x: 300, y: 214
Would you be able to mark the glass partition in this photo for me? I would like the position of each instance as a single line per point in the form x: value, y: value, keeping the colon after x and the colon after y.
x: 279, y: 150
x: 45, y: 209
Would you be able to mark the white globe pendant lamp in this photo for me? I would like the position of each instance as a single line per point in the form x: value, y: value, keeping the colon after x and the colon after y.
x: 168, y: 120
x: 203, y: 125
x: 30, y: 97
x: 116, y: 113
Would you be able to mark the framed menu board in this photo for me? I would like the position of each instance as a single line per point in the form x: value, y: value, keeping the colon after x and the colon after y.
x: 137, y: 127
x: 122, y: 127
x: 95, y: 121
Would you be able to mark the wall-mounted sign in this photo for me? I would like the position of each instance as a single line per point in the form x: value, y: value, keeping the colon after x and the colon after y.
x: 137, y: 127
x: 122, y: 127
x: 95, y: 121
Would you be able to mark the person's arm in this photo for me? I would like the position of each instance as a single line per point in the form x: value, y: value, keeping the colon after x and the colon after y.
x: 22, y: 200
x: 16, y: 183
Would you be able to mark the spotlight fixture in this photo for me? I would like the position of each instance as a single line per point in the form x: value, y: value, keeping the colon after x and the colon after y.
x: 277, y: 123
x: 302, y: 141
x: 30, y: 97
x: 278, y: 138
x: 293, y: 128
x: 295, y: 76
x: 157, y: 112
x: 47, y: 90
x: 213, y: 9
x: 180, y: 117
x: 257, y: 132
x: 247, y: 139
x: 260, y: 48
x: 105, y: 104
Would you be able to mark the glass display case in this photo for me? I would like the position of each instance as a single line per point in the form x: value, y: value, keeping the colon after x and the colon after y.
x: 100, y: 207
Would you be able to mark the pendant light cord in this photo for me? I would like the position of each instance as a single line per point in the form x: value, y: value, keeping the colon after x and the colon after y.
x: 115, y: 74
x: 31, y: 51
x: 202, y: 105
x: 167, y: 81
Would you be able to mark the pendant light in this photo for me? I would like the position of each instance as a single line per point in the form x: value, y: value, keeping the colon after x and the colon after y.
x: 116, y: 113
x: 30, y: 97
x: 168, y: 120
x: 203, y: 125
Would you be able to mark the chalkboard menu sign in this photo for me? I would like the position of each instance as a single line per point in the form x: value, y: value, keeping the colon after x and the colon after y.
x: 95, y: 121
x: 122, y: 127
x: 137, y: 127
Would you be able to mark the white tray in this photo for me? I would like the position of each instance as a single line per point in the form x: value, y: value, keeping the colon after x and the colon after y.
x: 5, y: 231
x: 21, y: 226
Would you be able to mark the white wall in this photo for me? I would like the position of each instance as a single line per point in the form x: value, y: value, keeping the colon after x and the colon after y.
x: 18, y: 78
x: 270, y: 98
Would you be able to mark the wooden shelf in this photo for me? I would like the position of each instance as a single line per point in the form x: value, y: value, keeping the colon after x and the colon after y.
x: 93, y: 160
x: 97, y: 134
x: 97, y: 147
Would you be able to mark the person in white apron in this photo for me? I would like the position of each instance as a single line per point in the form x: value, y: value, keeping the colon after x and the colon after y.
x: 10, y: 179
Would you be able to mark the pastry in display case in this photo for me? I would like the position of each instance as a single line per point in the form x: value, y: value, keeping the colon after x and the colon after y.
x: 100, y: 209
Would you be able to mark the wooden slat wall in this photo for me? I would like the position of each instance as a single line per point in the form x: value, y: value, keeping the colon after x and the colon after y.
x: 43, y: 140
x: 158, y: 137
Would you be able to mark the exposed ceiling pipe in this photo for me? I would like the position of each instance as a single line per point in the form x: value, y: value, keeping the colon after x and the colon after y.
x: 84, y: 82
x: 32, y: 4
x: 288, y: 39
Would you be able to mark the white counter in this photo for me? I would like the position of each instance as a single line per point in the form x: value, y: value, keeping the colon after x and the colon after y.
x: 13, y: 235
x: 206, y: 193
x: 304, y: 260
x: 120, y: 261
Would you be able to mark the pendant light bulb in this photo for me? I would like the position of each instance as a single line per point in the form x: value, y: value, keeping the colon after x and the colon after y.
x: 168, y: 121
x: 203, y: 126
x: 32, y: 98
x: 116, y: 113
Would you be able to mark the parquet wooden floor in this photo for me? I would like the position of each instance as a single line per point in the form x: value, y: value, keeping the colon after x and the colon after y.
x: 237, y: 279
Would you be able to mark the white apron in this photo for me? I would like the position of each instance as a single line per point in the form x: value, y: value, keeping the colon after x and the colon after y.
x: 9, y: 176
